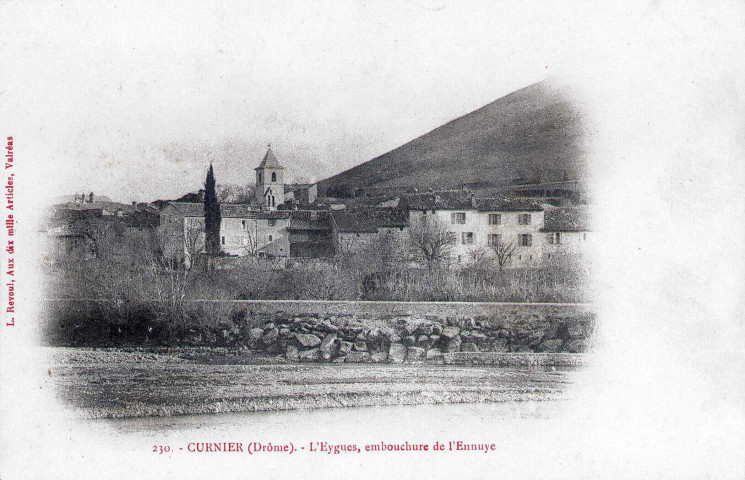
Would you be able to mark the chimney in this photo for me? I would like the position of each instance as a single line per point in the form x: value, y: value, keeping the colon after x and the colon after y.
x: 90, y: 198
x: 201, y: 194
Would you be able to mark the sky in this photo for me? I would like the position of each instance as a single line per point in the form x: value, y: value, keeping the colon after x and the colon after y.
x: 133, y: 100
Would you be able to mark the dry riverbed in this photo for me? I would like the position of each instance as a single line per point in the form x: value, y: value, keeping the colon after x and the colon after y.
x: 121, y: 383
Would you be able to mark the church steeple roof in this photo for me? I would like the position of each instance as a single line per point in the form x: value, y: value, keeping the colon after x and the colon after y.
x: 270, y: 161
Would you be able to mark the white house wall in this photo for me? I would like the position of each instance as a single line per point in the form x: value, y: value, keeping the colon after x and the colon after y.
x: 478, y: 223
x: 237, y: 235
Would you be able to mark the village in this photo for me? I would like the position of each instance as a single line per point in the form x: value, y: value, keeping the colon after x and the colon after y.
x: 282, y: 222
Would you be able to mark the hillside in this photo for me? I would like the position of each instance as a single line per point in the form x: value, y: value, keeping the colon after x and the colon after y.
x: 532, y: 135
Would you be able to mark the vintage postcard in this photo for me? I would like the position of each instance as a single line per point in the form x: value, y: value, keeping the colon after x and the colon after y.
x: 350, y: 239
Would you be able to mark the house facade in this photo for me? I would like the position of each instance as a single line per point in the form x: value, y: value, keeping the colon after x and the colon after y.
x: 244, y: 231
x: 566, y: 231
x: 483, y: 226
x: 368, y: 231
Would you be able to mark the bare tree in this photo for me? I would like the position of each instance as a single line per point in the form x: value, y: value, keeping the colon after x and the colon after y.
x: 194, y: 240
x: 477, y: 255
x: 251, y: 247
x: 346, y: 243
x: 503, y: 252
x: 431, y: 240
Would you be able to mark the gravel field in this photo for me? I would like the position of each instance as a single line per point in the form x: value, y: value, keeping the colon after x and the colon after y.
x: 138, y: 382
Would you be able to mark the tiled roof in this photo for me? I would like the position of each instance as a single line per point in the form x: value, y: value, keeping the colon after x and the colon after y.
x: 297, y: 224
x: 368, y: 221
x: 566, y: 219
x: 506, y: 205
x: 450, y: 200
x: 230, y: 210
x: 463, y: 200
x: 270, y: 161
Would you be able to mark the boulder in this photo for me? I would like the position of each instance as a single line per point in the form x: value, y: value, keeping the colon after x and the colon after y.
x: 499, y: 345
x: 292, y: 353
x: 436, y: 329
x: 379, y: 357
x: 397, y: 353
x: 433, y: 339
x: 453, y: 345
x: 339, y: 359
x: 329, y: 346
x: 393, y: 337
x: 478, y: 337
x: 551, y: 346
x: 284, y: 331
x: 270, y: 336
x: 450, y: 332
x: 409, y: 340
x: 425, y: 329
x: 414, y: 354
x: 312, y: 355
x: 255, y: 334
x: 411, y: 328
x: 269, y: 326
x: 307, y: 340
x: 503, y: 333
x: 357, y: 357
x: 521, y: 349
x: 576, y: 346
x: 469, y: 347
x: 345, y: 348
x: 575, y: 330
x: 360, y: 346
x: 434, y: 355
x: 423, y: 341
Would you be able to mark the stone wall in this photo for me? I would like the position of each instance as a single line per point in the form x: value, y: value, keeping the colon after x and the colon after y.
x: 398, y: 332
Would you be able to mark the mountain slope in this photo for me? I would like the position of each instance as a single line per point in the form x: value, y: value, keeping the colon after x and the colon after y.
x: 531, y: 135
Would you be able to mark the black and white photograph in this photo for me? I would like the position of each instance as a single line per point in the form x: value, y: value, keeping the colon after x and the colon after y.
x: 372, y: 240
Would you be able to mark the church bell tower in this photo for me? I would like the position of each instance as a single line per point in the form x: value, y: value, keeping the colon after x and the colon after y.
x: 270, y: 186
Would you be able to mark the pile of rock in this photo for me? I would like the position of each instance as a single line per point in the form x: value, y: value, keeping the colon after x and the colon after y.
x: 405, y: 339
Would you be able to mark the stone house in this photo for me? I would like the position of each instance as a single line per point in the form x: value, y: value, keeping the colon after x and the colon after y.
x: 301, y: 193
x: 366, y: 230
x: 566, y: 231
x: 480, y: 226
x: 244, y: 231
x: 310, y: 234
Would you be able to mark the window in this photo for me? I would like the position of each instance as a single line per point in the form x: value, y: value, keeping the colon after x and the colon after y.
x: 466, y: 238
x: 494, y: 239
x: 458, y: 218
x: 259, y: 177
x: 270, y: 238
x: 222, y: 241
x: 554, y: 238
x: 584, y: 236
x: 495, y: 219
x: 274, y: 176
x: 525, y: 239
x: 524, y: 219
x: 243, y: 224
x: 272, y: 222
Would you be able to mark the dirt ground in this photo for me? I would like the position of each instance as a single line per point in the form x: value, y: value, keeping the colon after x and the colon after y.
x: 122, y: 383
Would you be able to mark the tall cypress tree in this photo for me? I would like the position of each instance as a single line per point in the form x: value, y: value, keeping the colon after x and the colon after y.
x: 212, y: 215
